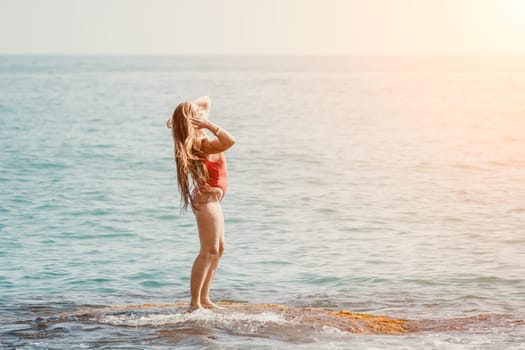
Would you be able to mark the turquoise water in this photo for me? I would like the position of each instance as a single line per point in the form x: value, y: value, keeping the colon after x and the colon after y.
x: 385, y: 185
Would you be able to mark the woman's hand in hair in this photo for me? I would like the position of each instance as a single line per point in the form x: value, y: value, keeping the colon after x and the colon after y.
x: 199, y: 121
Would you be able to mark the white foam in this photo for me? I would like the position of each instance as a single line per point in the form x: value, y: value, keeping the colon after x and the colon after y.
x: 202, y: 316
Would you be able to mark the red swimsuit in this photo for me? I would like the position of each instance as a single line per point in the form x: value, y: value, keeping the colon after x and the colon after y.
x: 217, y: 174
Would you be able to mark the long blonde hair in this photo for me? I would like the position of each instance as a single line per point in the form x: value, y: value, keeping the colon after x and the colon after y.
x: 189, y: 159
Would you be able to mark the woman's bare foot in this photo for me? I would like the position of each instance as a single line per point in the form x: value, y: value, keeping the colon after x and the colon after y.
x: 193, y: 307
x: 208, y: 304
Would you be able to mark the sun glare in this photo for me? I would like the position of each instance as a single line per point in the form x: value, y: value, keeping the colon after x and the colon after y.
x: 515, y: 12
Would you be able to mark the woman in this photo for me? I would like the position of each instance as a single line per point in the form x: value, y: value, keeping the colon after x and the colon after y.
x: 202, y: 181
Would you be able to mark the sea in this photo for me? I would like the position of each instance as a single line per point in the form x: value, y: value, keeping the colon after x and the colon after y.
x: 381, y: 185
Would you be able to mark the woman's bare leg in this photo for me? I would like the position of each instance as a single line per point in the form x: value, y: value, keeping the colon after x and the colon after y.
x: 210, y: 220
x: 205, y: 292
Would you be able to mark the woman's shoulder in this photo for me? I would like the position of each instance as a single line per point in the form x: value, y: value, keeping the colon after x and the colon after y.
x: 204, y: 145
x: 199, y: 141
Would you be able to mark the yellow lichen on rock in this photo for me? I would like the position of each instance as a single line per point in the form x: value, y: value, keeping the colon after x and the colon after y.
x: 343, y: 320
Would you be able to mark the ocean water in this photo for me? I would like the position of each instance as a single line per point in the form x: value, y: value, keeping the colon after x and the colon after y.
x: 384, y: 185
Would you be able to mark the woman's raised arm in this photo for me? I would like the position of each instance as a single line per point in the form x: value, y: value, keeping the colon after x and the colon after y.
x: 223, y: 141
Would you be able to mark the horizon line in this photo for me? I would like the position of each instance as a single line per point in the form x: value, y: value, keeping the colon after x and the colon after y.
x: 414, y: 54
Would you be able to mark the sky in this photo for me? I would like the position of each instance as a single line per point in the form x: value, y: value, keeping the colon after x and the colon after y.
x: 268, y: 27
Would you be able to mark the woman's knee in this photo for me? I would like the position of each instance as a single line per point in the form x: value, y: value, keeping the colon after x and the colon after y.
x: 211, y: 253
